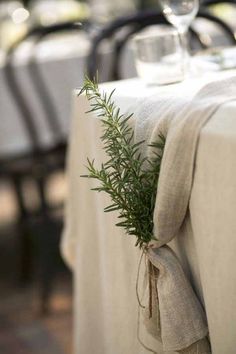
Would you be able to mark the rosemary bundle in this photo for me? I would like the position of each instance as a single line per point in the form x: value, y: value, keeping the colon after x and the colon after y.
x: 129, y: 178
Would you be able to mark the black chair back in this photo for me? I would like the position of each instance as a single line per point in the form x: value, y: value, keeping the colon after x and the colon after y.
x: 27, y: 116
x: 36, y: 166
x: 134, y: 24
x: 217, y: 2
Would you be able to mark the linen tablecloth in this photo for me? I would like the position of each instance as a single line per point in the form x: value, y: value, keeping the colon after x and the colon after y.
x: 105, y: 260
x: 62, y: 64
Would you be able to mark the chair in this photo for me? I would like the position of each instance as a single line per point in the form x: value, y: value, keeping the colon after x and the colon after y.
x: 208, y: 6
x: 217, y: 2
x: 37, y: 165
x: 134, y: 24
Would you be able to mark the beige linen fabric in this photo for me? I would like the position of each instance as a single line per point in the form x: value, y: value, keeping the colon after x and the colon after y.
x: 182, y: 318
x: 182, y: 321
x: 180, y: 121
x: 104, y: 260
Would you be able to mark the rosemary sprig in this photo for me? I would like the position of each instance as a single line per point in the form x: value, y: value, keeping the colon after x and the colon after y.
x: 124, y: 176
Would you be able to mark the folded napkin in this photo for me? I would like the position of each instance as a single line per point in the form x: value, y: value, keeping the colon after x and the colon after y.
x: 179, y: 319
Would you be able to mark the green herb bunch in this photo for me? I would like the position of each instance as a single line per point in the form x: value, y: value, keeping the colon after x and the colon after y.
x: 128, y: 178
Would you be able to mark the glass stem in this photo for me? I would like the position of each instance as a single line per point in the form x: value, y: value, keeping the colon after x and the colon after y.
x: 184, y: 47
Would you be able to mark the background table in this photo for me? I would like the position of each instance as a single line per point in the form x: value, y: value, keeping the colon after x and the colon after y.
x: 105, y: 260
x: 62, y: 64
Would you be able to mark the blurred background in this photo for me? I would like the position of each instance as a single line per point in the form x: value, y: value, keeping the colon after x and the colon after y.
x: 35, y: 284
x: 46, y: 47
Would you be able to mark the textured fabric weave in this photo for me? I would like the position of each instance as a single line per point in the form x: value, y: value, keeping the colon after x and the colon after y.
x: 183, y: 326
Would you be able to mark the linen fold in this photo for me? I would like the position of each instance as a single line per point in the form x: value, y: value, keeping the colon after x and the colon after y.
x: 179, y: 314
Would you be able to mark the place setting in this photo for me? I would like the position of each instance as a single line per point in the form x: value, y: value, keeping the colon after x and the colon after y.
x: 162, y: 54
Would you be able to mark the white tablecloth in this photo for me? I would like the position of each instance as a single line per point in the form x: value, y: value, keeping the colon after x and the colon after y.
x: 105, y: 260
x: 62, y: 64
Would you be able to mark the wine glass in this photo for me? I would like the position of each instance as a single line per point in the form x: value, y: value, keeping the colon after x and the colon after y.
x: 180, y: 13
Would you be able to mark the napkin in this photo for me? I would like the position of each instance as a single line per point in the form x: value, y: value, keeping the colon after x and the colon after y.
x: 179, y: 321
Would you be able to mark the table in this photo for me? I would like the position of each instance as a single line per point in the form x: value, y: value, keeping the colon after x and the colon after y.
x: 105, y: 261
x: 62, y: 64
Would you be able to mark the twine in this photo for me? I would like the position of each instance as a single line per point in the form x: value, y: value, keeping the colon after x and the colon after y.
x: 152, y: 280
x: 152, y: 273
x: 152, y: 283
x: 137, y: 280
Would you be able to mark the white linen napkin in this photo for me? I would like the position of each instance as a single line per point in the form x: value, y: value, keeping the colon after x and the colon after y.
x: 183, y: 325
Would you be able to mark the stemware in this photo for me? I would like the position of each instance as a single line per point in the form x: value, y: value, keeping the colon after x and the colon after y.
x: 158, y: 56
x: 180, y: 13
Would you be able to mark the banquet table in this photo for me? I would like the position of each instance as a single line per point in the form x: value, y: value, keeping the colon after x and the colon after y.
x: 62, y: 64
x: 104, y: 259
